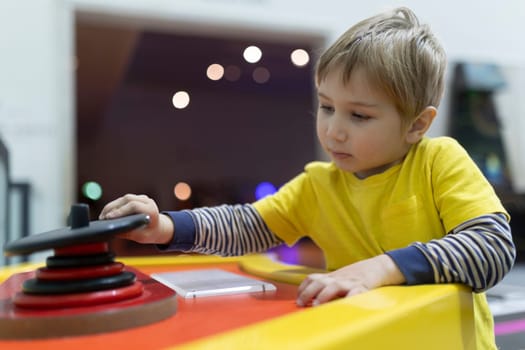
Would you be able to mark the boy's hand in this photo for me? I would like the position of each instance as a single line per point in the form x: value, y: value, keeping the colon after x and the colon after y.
x: 349, y: 280
x: 160, y: 228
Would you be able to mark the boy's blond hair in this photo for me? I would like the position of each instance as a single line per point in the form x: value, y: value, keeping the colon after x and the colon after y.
x: 400, y: 56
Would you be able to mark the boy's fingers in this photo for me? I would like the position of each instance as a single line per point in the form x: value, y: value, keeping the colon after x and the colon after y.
x: 111, y: 206
x: 310, y: 288
x: 122, y: 206
x: 128, y: 208
x: 330, y: 292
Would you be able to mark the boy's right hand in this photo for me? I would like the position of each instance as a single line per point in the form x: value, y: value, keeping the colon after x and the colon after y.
x: 160, y: 229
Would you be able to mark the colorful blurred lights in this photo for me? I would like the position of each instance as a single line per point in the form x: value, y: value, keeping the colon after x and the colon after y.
x: 181, y: 99
x: 300, y: 57
x: 182, y: 191
x: 261, y: 75
x: 264, y: 189
x: 92, y: 190
x: 252, y: 54
x: 215, y: 71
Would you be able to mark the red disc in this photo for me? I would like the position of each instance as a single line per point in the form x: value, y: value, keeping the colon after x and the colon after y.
x: 32, y: 301
x: 78, y: 273
x: 83, y: 249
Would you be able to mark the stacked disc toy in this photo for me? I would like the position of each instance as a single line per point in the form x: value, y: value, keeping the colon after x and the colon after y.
x: 81, y: 285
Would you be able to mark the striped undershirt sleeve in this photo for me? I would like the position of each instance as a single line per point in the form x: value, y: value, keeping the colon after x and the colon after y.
x: 226, y: 230
x: 478, y: 253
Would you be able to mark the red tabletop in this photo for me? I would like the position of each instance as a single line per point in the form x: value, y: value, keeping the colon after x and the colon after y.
x: 195, y: 318
x: 384, y: 318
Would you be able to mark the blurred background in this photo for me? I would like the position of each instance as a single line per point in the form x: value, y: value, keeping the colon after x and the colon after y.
x: 212, y: 101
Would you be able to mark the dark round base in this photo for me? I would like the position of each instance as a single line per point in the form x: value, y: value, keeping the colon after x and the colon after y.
x: 36, y: 286
x: 157, y: 302
x: 81, y: 290
x: 80, y: 260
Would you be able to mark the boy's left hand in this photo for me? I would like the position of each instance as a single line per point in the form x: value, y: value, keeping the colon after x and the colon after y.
x: 350, y: 280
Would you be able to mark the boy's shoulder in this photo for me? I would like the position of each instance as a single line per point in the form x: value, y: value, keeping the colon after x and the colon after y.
x: 438, y: 145
x: 439, y: 142
x: 438, y: 151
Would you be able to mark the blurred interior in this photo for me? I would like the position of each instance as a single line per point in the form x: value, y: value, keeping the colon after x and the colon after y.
x: 235, y: 134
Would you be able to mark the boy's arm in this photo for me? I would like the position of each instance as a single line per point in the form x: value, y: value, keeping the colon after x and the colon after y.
x: 225, y: 230
x: 478, y: 253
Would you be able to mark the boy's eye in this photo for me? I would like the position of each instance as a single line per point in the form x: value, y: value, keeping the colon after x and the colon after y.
x: 326, y: 108
x: 360, y: 117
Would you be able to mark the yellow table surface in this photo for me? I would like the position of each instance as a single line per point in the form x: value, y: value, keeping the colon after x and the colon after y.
x: 416, y: 317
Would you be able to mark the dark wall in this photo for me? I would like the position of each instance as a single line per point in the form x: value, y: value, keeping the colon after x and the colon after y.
x: 232, y: 135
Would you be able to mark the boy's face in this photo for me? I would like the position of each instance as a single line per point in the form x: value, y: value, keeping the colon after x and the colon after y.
x: 358, y: 126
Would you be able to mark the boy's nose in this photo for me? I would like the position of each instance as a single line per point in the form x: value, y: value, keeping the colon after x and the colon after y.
x: 336, y: 132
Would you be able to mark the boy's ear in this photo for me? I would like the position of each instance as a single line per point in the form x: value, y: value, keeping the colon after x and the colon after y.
x: 420, y: 125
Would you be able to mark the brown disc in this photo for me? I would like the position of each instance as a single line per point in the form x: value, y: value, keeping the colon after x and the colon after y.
x: 157, y: 302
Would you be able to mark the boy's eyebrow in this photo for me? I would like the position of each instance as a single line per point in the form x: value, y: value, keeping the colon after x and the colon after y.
x: 357, y: 103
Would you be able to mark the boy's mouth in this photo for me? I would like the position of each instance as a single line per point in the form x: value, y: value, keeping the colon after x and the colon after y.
x: 340, y: 155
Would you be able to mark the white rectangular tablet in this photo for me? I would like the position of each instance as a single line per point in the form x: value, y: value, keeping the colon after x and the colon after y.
x: 210, y: 282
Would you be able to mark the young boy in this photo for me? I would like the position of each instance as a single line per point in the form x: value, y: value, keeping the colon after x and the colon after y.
x: 392, y: 207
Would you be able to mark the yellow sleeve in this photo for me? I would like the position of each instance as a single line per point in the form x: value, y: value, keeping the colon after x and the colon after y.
x: 461, y: 191
x: 289, y: 212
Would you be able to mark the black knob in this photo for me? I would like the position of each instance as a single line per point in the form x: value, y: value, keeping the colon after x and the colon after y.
x: 79, y: 215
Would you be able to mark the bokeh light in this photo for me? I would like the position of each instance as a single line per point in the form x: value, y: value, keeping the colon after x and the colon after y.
x: 215, y: 71
x: 300, y: 57
x: 261, y: 75
x: 181, y: 99
x: 92, y: 190
x: 264, y: 189
x: 182, y: 191
x: 252, y: 54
